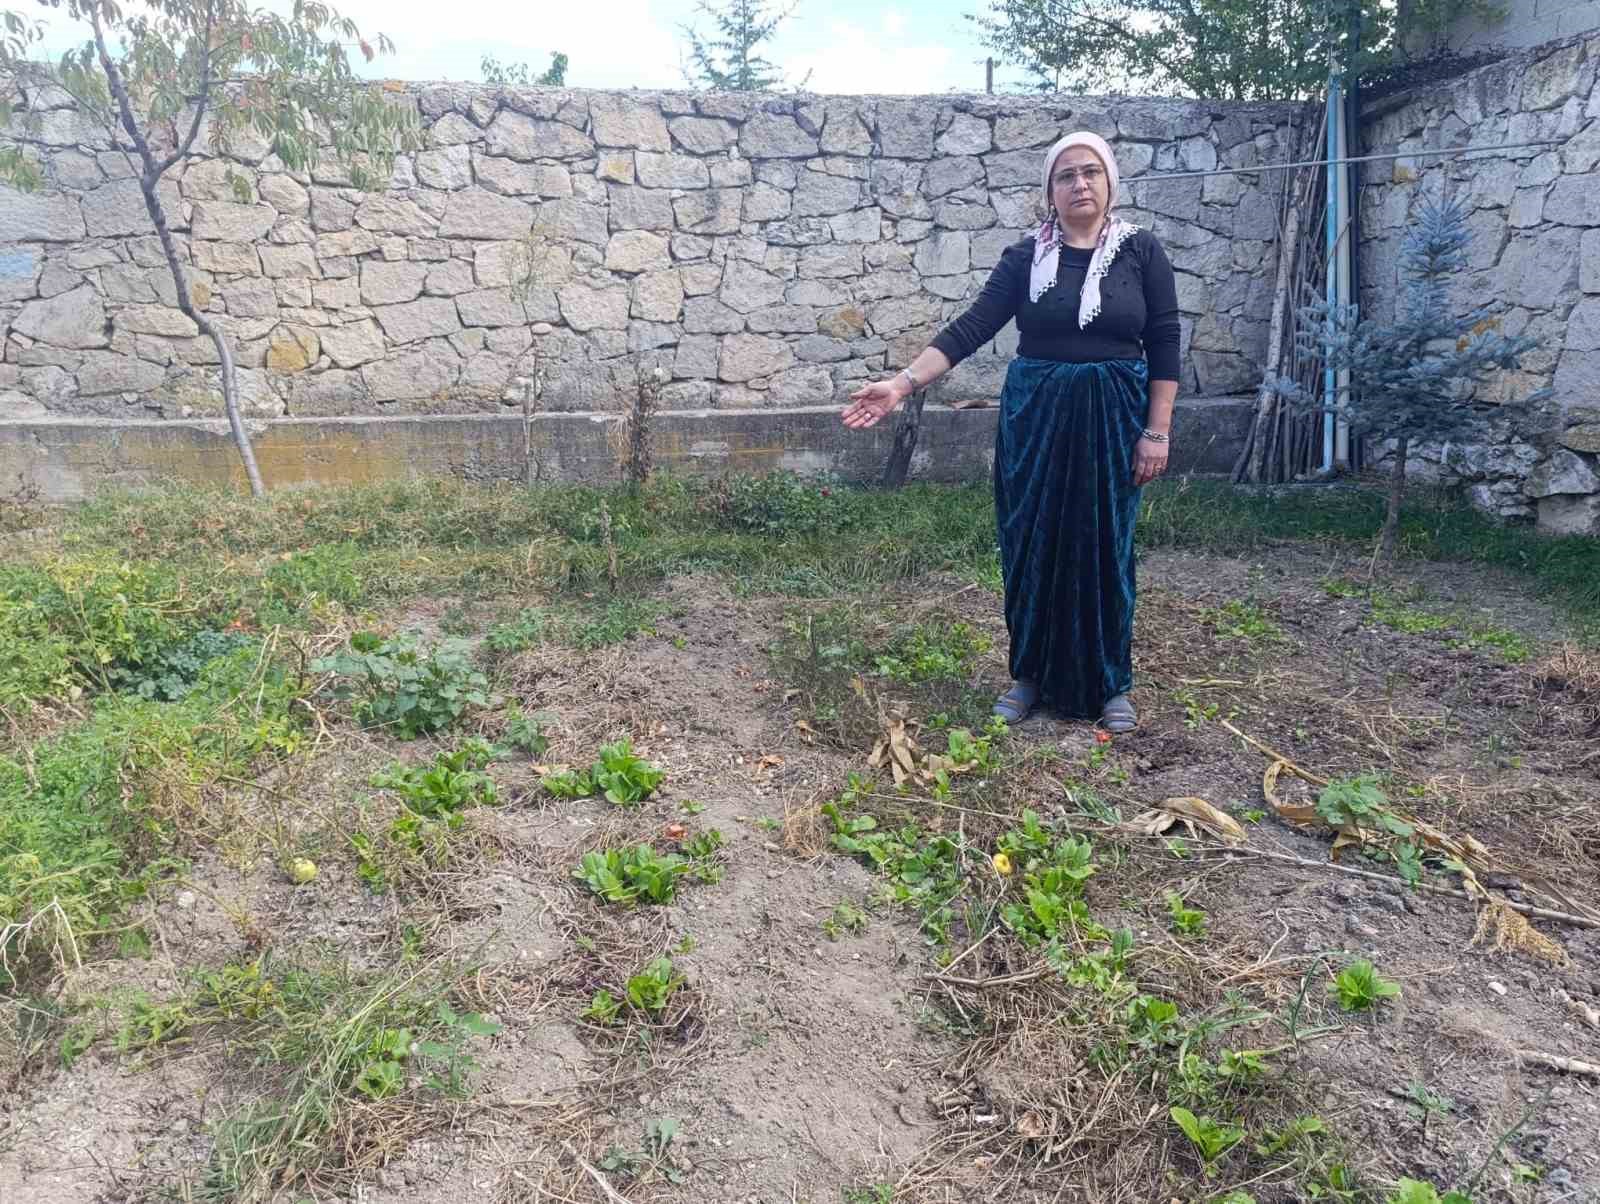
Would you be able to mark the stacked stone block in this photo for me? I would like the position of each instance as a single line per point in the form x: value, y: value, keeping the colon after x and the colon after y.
x: 1534, y: 258
x: 761, y: 250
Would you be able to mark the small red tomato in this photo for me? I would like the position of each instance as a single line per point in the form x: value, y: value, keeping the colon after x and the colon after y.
x: 676, y: 831
x: 1102, y: 737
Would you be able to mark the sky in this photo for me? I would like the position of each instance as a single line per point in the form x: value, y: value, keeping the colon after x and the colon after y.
x: 912, y: 46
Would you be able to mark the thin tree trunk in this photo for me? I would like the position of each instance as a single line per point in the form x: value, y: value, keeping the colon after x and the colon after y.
x: 905, y: 442
x: 149, y: 181
x: 230, y: 376
x: 1397, y: 488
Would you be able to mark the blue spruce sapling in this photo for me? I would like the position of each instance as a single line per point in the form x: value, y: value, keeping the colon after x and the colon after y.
x: 1411, y: 379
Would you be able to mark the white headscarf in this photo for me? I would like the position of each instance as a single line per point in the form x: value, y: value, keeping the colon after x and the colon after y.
x: 1047, y: 243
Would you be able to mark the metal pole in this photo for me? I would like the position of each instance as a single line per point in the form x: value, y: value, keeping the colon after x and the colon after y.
x: 1412, y: 154
x: 1331, y: 292
x: 988, y: 76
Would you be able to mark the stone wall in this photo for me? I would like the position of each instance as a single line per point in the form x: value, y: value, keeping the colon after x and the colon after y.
x: 1525, y: 24
x: 760, y: 250
x: 1534, y: 258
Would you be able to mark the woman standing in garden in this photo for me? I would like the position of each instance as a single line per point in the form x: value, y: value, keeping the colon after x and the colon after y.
x: 1084, y: 419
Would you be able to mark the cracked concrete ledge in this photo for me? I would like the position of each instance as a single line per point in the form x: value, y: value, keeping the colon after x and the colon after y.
x: 72, y: 459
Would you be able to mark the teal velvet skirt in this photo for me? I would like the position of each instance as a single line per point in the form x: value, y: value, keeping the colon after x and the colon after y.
x: 1066, y: 507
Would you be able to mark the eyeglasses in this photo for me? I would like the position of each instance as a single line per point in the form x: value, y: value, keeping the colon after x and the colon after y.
x: 1070, y: 176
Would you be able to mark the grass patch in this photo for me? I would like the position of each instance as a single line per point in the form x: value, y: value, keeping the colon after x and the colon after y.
x: 92, y: 817
x: 1217, y: 517
x: 338, y: 1061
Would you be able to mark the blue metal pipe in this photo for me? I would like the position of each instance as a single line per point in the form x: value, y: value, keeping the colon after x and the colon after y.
x: 1335, y: 118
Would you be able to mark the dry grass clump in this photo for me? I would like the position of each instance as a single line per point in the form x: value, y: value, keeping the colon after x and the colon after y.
x: 1566, y: 685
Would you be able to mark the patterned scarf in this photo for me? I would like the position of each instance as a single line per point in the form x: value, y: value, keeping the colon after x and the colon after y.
x: 1048, y: 241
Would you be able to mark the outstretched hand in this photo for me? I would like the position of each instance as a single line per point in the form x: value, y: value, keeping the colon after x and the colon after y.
x: 872, y: 403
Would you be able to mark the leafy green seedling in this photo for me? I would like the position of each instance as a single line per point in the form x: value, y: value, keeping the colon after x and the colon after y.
x: 1292, y: 1134
x: 632, y: 874
x: 1426, y: 1102
x: 1360, y: 988
x: 525, y: 733
x: 651, y: 989
x: 404, y: 687
x: 1243, y: 1066
x: 1186, y: 921
x: 847, y: 919
x: 454, y: 782
x: 1415, y: 1191
x: 623, y: 777
x: 604, y: 1008
x: 702, y: 850
x: 1210, y: 1138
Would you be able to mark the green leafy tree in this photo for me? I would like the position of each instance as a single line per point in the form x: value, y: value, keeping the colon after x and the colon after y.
x: 1219, y: 49
x: 1412, y: 378
x: 17, y: 35
x: 520, y: 75
x: 730, y: 60
x: 155, y: 76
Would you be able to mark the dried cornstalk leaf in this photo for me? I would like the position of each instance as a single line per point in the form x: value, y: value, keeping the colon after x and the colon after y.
x: 1294, y: 813
x: 902, y: 748
x: 1202, y: 813
x: 807, y: 732
x: 1154, y: 822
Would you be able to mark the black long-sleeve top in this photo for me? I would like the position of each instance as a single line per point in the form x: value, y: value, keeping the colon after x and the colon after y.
x: 1138, y: 309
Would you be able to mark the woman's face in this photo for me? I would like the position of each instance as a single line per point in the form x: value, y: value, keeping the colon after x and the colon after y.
x: 1080, y: 190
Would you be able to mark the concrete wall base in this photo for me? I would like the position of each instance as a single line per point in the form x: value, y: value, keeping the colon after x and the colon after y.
x: 69, y: 460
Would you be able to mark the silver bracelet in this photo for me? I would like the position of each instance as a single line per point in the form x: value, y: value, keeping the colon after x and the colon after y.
x: 1154, y: 436
x: 910, y: 380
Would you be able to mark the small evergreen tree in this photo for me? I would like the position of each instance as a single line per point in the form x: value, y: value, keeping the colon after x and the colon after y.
x: 154, y: 76
x: 520, y: 75
x: 1412, y: 378
x: 728, y: 61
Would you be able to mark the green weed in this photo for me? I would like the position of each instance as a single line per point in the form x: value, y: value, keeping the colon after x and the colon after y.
x: 454, y: 782
x: 1235, y: 620
x: 1360, y: 988
x: 524, y: 733
x: 529, y: 629
x: 330, y: 572
x: 932, y: 651
x: 1210, y: 1138
x: 628, y: 876
x: 652, y: 988
x: 847, y: 920
x: 604, y: 1008
x: 920, y: 870
x: 398, y: 684
x: 618, y: 621
x: 1359, y: 805
x: 1186, y: 921
x: 620, y: 775
x: 876, y: 1193
x: 1052, y: 872
x: 95, y: 815
x: 1414, y: 1191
